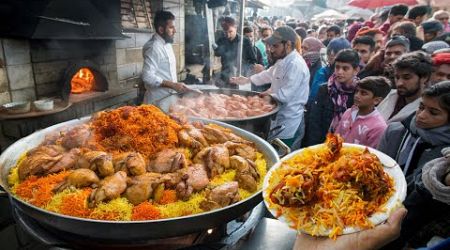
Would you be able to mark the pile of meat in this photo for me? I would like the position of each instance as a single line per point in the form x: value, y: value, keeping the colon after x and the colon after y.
x: 129, y: 174
x: 220, y: 106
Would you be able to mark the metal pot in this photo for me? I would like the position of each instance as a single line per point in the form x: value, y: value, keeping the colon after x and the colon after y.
x: 119, y: 231
x: 259, y: 125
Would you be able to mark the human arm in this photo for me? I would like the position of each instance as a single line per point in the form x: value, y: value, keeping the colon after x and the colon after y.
x: 373, y: 238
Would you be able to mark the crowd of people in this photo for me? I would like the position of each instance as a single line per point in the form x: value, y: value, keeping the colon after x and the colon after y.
x: 382, y: 82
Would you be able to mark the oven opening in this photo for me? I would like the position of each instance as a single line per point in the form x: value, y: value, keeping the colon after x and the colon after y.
x: 83, y: 81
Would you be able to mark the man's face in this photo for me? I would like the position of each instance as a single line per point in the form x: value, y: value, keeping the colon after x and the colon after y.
x: 250, y: 36
x: 379, y: 41
x: 430, y: 114
x: 364, y: 51
x: 230, y: 33
x: 440, y: 73
x: 344, y: 72
x: 331, y: 35
x: 408, y: 83
x: 305, y: 47
x: 168, y: 32
x: 443, y: 18
x: 278, y: 51
x: 394, y: 19
x: 427, y: 37
x: 418, y: 20
x: 393, y: 52
x: 266, y: 33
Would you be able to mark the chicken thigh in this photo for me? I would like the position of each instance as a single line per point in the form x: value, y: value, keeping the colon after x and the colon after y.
x: 168, y: 160
x: 98, y: 161
x: 216, y: 159
x: 221, y: 196
x: 78, y: 178
x: 246, y: 174
x: 110, y: 188
x: 132, y: 163
x: 141, y: 187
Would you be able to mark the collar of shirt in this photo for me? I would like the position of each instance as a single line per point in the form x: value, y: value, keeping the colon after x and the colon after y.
x: 159, y: 38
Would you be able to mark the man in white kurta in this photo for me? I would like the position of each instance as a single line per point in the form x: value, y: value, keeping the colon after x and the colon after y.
x: 289, y: 79
x: 159, y: 69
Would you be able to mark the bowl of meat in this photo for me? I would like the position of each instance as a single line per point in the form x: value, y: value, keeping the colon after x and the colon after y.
x: 240, y: 108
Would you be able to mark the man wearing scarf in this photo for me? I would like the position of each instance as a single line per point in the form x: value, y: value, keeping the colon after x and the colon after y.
x: 311, y: 53
x: 334, y: 97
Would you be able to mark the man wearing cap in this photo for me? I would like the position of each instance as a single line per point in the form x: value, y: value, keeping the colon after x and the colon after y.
x: 441, y: 68
x: 431, y: 30
x: 289, y: 79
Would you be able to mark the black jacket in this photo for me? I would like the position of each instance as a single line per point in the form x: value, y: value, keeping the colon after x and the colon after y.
x: 228, y: 51
x: 319, y: 115
x: 422, y: 208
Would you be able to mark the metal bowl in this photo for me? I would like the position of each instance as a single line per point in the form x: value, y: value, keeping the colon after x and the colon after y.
x: 17, y: 107
x: 259, y: 125
x: 125, y: 231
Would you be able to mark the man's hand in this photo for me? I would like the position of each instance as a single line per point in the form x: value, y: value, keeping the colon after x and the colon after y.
x: 373, y: 238
x: 239, y: 80
x: 177, y: 86
x: 258, y: 68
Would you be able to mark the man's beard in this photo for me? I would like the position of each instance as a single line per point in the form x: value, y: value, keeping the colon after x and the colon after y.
x: 167, y: 38
x: 409, y: 93
x: 276, y: 58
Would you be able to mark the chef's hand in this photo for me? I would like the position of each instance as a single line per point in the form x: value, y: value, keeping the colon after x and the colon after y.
x: 373, y: 238
x: 258, y: 68
x: 177, y: 86
x: 239, y: 80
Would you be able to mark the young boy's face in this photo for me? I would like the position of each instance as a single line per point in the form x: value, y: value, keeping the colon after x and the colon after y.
x: 345, y: 72
x: 365, y: 99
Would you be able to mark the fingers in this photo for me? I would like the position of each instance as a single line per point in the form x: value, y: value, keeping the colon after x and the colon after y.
x: 395, y: 220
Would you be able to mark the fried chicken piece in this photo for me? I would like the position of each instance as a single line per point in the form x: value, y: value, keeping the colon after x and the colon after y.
x: 79, y: 178
x: 296, y: 189
x: 167, y: 160
x: 246, y: 174
x: 76, y: 137
x: 141, y: 187
x: 215, y: 134
x: 216, y: 159
x: 192, y: 137
x: 40, y: 161
x: 221, y: 196
x: 193, y: 178
x: 98, y: 161
x: 109, y: 188
x: 245, y: 150
x: 133, y: 163
x: 68, y: 160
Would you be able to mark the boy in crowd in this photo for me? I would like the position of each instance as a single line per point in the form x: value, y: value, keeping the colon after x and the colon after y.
x: 365, y: 46
x: 363, y: 124
x: 334, y: 97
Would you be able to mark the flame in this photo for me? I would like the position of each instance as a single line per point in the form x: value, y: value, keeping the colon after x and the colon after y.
x: 82, y: 81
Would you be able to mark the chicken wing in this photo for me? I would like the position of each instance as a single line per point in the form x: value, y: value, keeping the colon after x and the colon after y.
x: 109, y: 188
